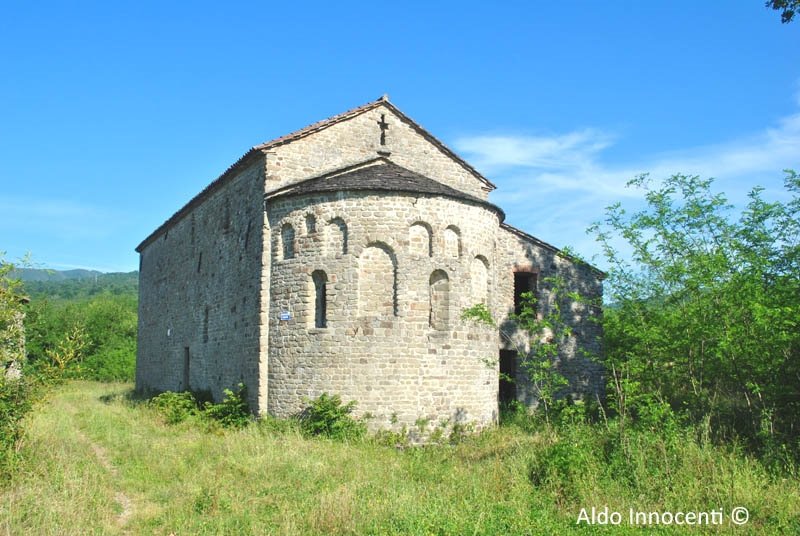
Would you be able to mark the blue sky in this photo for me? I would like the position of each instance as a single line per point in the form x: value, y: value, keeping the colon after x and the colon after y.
x: 114, y: 114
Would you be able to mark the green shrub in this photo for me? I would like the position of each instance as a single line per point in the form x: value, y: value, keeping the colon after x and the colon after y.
x: 15, y: 402
x: 233, y: 411
x: 175, y: 407
x: 327, y: 416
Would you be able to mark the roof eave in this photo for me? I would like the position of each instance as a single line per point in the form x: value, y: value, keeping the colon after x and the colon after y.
x: 541, y: 243
x: 245, y: 160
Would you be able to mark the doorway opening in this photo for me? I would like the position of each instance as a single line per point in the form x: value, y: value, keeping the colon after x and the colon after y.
x: 508, y: 377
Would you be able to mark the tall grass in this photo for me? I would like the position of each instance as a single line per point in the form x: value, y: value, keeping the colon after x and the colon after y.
x: 96, y: 462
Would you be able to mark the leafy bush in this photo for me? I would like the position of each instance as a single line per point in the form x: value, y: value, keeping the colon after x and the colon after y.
x: 233, y: 411
x: 175, y: 407
x: 91, y: 338
x: 327, y: 416
x: 705, y: 316
x: 15, y: 402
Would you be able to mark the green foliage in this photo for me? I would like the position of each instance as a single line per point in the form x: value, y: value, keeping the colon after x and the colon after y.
x: 68, y: 350
x: 547, y: 335
x: 15, y: 393
x: 478, y: 313
x: 16, y: 398
x: 705, y: 318
x: 548, y: 332
x: 327, y: 416
x: 105, y: 325
x: 12, y: 338
x: 57, y: 286
x: 233, y: 411
x: 175, y: 407
x: 275, y: 481
x: 788, y: 8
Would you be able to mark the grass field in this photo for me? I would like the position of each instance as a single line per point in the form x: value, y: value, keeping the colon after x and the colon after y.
x: 93, y: 462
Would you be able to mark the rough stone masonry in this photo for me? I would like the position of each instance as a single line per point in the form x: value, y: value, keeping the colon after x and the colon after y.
x: 338, y: 259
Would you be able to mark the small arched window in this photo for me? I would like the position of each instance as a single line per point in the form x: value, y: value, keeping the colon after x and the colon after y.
x: 419, y: 239
x: 439, y: 313
x: 320, y: 282
x: 479, y: 279
x: 452, y: 242
x: 287, y: 241
x: 311, y: 224
x: 377, y: 281
x: 337, y: 237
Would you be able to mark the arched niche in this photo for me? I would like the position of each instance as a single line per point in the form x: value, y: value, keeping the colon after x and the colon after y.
x: 419, y: 239
x: 439, y: 294
x: 311, y: 224
x: 479, y: 280
x: 287, y: 241
x: 336, y: 237
x: 452, y: 242
x: 377, y: 281
x: 319, y: 284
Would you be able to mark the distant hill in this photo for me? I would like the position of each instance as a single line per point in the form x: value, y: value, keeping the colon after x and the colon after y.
x: 75, y: 284
x: 35, y: 274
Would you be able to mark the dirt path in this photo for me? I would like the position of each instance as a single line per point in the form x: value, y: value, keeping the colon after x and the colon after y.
x: 125, y: 502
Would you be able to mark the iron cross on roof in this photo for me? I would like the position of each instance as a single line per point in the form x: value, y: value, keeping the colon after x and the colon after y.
x: 384, y: 127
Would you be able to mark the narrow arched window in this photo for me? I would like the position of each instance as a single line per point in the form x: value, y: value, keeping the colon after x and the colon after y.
x: 419, y: 239
x: 479, y: 279
x: 320, y: 281
x: 287, y: 241
x: 337, y: 237
x: 311, y: 224
x: 452, y: 242
x: 439, y: 313
x: 377, y: 281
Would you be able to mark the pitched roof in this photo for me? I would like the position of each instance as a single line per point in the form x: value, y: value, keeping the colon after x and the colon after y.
x: 298, y: 134
x: 541, y: 243
x: 378, y: 174
x: 382, y: 101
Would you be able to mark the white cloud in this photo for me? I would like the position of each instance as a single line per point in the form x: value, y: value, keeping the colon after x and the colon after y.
x: 572, y: 150
x: 556, y: 186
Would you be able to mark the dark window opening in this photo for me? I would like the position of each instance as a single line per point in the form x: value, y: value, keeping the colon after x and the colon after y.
x: 320, y: 298
x: 287, y: 239
x: 508, y: 375
x: 523, y: 282
x: 186, y: 386
x: 205, y: 325
x: 439, y: 311
x: 311, y: 224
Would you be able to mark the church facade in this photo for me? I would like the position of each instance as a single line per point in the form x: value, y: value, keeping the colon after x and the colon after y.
x: 338, y: 259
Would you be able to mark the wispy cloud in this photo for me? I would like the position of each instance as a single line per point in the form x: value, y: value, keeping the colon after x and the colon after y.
x: 574, y: 150
x: 556, y: 186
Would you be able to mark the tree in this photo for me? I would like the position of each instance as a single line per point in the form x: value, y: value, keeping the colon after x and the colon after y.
x: 788, y: 8
x: 547, y: 336
x: 705, y: 316
x: 12, y: 331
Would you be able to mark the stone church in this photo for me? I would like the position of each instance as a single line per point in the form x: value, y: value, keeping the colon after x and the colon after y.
x: 338, y: 259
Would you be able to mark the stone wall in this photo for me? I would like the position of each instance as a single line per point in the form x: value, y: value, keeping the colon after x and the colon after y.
x: 358, y: 139
x: 519, y: 253
x: 393, y: 340
x: 357, y: 293
x: 200, y: 286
